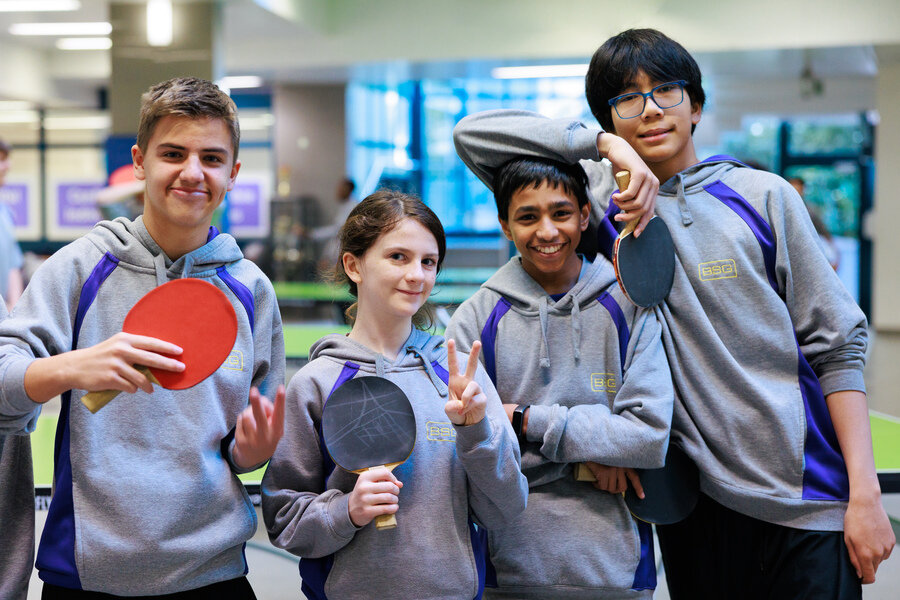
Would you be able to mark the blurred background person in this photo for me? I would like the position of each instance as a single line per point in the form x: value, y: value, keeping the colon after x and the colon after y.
x: 12, y: 283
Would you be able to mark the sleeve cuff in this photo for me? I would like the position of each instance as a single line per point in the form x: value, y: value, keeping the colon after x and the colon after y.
x: 471, y: 436
x: 538, y: 421
x: 583, y: 142
x: 339, y: 512
x: 842, y: 380
x: 14, y: 395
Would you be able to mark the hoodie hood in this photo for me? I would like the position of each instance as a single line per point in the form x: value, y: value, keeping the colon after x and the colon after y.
x: 528, y: 298
x: 421, y: 350
x: 134, y: 247
x: 694, y: 179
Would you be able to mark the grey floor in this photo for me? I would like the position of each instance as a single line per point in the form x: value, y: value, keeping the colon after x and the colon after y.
x: 273, y: 573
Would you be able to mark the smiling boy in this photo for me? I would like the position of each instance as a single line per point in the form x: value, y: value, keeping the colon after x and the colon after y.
x: 583, y: 378
x: 146, y: 498
x: 766, y: 346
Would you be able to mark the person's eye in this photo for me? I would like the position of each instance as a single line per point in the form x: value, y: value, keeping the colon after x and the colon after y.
x: 171, y: 154
x: 525, y: 218
x: 397, y: 256
x: 627, y: 98
x: 429, y: 262
x: 214, y: 159
x: 563, y: 214
x: 667, y: 88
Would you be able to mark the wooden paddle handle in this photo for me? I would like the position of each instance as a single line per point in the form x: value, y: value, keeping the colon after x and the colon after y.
x: 94, y: 401
x: 623, y: 179
x: 383, y: 522
x: 583, y: 473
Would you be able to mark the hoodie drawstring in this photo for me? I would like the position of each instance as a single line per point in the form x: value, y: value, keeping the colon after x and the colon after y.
x: 188, y: 265
x: 379, y: 365
x: 686, y: 218
x: 159, y: 262
x: 436, y: 381
x: 576, y: 329
x: 545, y: 345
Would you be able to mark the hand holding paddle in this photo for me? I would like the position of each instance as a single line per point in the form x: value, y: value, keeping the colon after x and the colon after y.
x: 467, y: 400
x: 645, y: 267
x: 637, y: 199
x: 198, y: 324
x: 375, y: 495
x: 615, y: 480
x: 258, y: 430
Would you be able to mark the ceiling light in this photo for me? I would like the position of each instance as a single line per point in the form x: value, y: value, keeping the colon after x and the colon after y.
x: 84, y: 43
x: 159, y: 22
x: 60, y: 29
x: 535, y: 71
x: 240, y: 81
x: 39, y: 5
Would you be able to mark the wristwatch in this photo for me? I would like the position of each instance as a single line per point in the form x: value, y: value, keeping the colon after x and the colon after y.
x: 518, y: 420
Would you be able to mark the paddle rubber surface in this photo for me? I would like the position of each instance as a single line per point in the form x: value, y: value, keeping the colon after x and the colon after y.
x: 368, y: 422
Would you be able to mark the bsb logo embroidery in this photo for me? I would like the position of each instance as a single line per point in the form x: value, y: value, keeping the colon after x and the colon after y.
x: 603, y: 382
x: 235, y: 361
x: 437, y: 431
x: 718, y: 269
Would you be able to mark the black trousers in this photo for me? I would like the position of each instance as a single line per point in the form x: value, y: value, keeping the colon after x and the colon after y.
x: 717, y: 553
x: 235, y: 589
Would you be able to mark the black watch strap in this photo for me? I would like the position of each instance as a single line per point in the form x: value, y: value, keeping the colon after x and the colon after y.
x: 518, y: 419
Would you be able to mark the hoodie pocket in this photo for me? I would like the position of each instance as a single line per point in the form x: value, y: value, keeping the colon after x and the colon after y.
x: 570, y: 534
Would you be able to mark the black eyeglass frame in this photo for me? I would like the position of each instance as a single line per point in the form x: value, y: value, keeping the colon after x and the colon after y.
x: 681, y: 83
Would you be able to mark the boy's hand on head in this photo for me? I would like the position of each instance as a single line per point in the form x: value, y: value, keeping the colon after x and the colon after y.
x: 615, y: 479
x: 467, y: 400
x: 868, y: 535
x: 639, y: 200
x: 258, y: 430
x: 376, y: 493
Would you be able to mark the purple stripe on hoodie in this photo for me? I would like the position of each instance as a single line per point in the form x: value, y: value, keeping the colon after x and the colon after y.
x: 824, y: 471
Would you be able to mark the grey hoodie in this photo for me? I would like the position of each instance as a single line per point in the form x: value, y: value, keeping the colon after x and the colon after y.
x: 16, y: 501
x: 758, y: 328
x: 146, y: 497
x: 454, y: 477
x: 592, y: 368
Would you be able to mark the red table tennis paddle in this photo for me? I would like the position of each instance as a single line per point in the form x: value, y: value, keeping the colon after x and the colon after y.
x: 190, y: 313
x: 670, y: 492
x: 645, y: 265
x: 367, y: 423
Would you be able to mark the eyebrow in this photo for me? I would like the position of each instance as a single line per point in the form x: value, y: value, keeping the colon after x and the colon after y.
x: 215, y: 150
x: 405, y: 250
x: 554, y: 206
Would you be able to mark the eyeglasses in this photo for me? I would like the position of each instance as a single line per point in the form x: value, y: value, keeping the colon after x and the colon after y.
x: 665, y: 95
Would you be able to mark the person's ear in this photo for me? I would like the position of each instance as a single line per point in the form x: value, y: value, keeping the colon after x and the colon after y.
x: 351, y: 267
x: 585, y: 216
x: 137, y: 162
x: 504, y: 225
x: 234, y: 171
x: 696, y: 112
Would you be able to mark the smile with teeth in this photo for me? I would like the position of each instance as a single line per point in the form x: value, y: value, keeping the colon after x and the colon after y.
x: 548, y: 249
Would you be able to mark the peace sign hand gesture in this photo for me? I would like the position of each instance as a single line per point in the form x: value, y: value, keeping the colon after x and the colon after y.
x: 467, y: 400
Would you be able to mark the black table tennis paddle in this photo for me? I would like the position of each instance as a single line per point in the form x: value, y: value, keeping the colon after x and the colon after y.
x: 367, y: 423
x: 670, y: 492
x: 645, y: 265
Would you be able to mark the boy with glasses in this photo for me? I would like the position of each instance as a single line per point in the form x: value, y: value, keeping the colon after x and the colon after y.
x: 765, y: 345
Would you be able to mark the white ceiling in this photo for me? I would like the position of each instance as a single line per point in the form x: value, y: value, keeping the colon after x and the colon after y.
x: 334, y: 40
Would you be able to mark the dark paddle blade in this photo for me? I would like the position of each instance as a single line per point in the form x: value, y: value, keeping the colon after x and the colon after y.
x: 367, y: 422
x: 645, y: 266
x: 671, y: 492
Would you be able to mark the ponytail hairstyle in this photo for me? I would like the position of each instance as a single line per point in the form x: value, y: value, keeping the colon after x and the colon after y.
x: 376, y: 215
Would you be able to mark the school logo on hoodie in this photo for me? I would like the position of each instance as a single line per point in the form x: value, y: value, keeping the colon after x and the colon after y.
x: 440, y: 431
x: 718, y: 269
x: 235, y: 361
x: 603, y: 382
